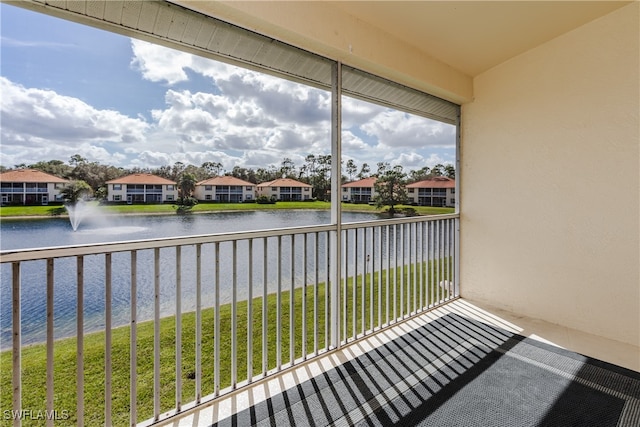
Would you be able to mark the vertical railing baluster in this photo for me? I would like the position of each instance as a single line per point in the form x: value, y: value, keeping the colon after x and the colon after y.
x: 328, y: 292
x: 279, y: 308
x: 447, y: 257
x: 250, y: 312
x: 414, y: 262
x: 133, y: 343
x: 234, y: 316
x: 178, y: 345
x: 457, y: 256
x: 265, y: 361
x: 432, y: 260
x: 363, y: 303
x: 438, y: 248
x: 345, y: 288
x: 423, y: 278
x: 80, y: 340
x: 316, y: 314
x: 388, y: 275
x: 107, y: 335
x: 292, y: 356
x: 198, y: 343
x: 395, y: 272
x: 354, y: 284
x: 452, y: 245
x: 371, y: 259
x: 50, y: 339
x: 156, y: 334
x: 216, y: 323
x: 380, y: 257
x: 16, y: 379
x: 303, y: 337
x: 403, y: 264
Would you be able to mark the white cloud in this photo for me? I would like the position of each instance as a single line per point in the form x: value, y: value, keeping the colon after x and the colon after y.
x: 159, y: 64
x: 234, y: 116
x: 36, y: 122
x: 395, y: 129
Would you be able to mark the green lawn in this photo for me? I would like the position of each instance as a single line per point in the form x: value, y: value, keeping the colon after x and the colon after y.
x: 52, y: 211
x: 34, y: 357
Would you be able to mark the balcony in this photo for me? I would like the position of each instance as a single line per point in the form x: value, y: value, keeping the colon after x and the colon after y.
x: 224, y: 339
x: 228, y: 298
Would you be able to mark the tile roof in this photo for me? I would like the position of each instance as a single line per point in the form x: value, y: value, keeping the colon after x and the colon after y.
x: 225, y: 180
x: 436, y: 182
x: 30, y: 175
x: 283, y: 182
x: 365, y: 182
x: 141, y: 178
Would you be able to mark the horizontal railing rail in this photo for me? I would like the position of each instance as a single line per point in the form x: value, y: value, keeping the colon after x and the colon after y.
x: 171, y: 323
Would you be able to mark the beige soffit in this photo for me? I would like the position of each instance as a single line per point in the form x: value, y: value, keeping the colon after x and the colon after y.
x: 474, y: 36
x: 174, y: 26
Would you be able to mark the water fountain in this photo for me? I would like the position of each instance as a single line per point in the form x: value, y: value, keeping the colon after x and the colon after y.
x: 99, y: 221
x: 78, y: 211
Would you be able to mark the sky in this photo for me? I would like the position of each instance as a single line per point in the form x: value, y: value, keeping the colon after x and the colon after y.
x: 71, y: 89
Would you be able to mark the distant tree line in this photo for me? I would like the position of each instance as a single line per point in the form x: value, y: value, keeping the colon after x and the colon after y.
x: 316, y: 171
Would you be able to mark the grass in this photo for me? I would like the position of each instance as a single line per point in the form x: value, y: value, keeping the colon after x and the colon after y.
x: 367, y: 289
x: 53, y: 211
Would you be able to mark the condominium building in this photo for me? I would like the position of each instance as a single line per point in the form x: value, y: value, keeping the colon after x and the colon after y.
x: 225, y: 189
x: 30, y: 187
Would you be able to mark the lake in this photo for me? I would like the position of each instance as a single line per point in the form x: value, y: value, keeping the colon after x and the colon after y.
x: 32, y: 233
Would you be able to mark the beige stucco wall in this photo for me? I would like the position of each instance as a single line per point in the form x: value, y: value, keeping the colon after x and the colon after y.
x: 550, y: 181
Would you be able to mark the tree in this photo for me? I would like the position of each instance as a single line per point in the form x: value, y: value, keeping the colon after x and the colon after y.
x: 212, y: 168
x: 420, y: 174
x: 390, y: 187
x: 186, y: 186
x: 76, y: 159
x: 437, y: 170
x: 322, y: 177
x: 351, y: 169
x: 450, y: 171
x: 75, y: 190
x: 288, y: 168
x: 365, y: 170
x: 53, y: 167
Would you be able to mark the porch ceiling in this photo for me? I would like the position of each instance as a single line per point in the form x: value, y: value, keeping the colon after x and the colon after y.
x: 474, y: 36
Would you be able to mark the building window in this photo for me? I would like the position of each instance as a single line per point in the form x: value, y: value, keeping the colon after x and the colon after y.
x: 207, y: 197
x: 170, y: 187
x: 170, y: 197
x: 248, y: 188
x: 117, y: 198
x: 411, y: 190
x: 208, y: 188
x: 117, y: 186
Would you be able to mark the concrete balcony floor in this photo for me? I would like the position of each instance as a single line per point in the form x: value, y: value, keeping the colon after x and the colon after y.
x: 614, y: 352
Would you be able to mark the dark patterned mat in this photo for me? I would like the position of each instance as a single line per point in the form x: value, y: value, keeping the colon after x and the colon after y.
x: 457, y: 371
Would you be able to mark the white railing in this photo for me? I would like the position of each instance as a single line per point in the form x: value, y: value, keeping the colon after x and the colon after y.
x: 205, y: 315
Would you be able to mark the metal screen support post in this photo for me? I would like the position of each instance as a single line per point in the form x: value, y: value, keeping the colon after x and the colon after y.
x: 456, y: 243
x: 336, y: 210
